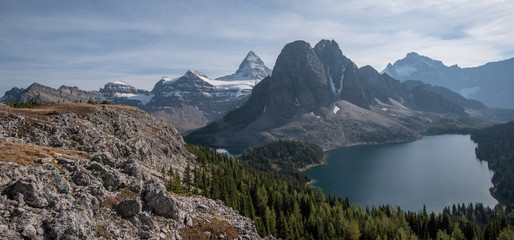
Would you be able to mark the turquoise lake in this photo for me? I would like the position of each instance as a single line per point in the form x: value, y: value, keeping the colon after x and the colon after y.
x: 436, y: 171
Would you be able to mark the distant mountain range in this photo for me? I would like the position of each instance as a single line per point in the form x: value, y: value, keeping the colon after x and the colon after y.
x: 492, y: 83
x: 314, y: 94
x: 319, y: 95
x: 187, y: 102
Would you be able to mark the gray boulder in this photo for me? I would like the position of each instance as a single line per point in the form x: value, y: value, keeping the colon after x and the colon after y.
x: 159, y: 201
x: 129, y: 207
x: 30, y: 190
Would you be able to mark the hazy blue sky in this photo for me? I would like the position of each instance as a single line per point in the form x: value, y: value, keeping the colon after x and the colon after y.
x: 89, y: 43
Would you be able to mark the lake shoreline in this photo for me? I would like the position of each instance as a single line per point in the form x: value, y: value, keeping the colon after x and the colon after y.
x: 311, y: 166
x: 377, y: 174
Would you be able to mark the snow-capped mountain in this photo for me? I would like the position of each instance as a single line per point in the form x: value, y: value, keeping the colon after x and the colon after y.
x: 120, y: 92
x: 413, y: 63
x: 193, y: 100
x: 195, y: 85
x: 490, y: 83
x: 251, y: 68
x: 120, y: 89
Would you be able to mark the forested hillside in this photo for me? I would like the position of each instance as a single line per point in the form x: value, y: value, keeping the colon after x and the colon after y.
x: 496, y: 146
x: 286, y: 157
x: 290, y: 210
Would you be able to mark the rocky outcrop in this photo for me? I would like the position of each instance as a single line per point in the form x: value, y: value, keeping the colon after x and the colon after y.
x: 102, y: 181
x: 115, y: 132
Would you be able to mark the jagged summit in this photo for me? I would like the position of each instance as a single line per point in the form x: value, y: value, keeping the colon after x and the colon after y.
x: 319, y: 95
x: 299, y: 100
x: 251, y: 68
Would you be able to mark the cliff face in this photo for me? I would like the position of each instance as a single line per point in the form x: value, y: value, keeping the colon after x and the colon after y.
x: 80, y: 171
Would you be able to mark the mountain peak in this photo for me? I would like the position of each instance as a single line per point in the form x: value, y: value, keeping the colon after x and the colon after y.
x: 251, y: 56
x: 195, y: 74
x: 412, y: 63
x: 413, y: 54
x: 251, y: 68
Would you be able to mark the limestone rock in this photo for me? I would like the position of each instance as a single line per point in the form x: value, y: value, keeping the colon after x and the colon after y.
x: 160, y: 201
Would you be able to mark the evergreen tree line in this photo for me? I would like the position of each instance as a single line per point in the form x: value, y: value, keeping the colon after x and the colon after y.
x: 283, y: 154
x: 28, y: 104
x: 285, y: 157
x: 496, y: 146
x: 282, y: 206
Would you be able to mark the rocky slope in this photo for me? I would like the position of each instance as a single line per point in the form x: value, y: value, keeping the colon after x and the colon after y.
x: 319, y: 95
x: 79, y: 171
x: 488, y: 83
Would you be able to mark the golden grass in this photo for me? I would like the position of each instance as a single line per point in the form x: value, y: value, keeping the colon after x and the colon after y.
x: 25, y: 154
x: 47, y: 109
x: 114, y: 199
x: 213, y: 225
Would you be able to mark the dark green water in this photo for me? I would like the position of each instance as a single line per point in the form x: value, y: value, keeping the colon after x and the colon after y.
x: 435, y: 171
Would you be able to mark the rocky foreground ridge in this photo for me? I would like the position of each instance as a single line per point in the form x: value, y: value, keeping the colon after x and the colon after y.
x: 81, y: 171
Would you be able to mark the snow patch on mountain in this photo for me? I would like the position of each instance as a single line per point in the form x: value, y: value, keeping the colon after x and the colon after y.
x: 336, y: 109
x: 124, y: 95
x: 119, y: 82
x: 143, y: 98
x: 335, y: 90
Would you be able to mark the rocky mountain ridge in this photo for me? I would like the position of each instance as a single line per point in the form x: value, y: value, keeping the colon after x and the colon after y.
x: 42, y: 93
x: 187, y: 102
x: 319, y: 95
x: 488, y: 83
x: 82, y: 171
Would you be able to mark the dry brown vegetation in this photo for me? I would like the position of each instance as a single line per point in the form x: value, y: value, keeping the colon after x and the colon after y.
x: 218, y: 229
x: 47, y: 109
x: 114, y: 199
x: 25, y: 154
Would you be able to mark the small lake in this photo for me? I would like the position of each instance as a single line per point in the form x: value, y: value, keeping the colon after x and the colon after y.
x: 436, y: 171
